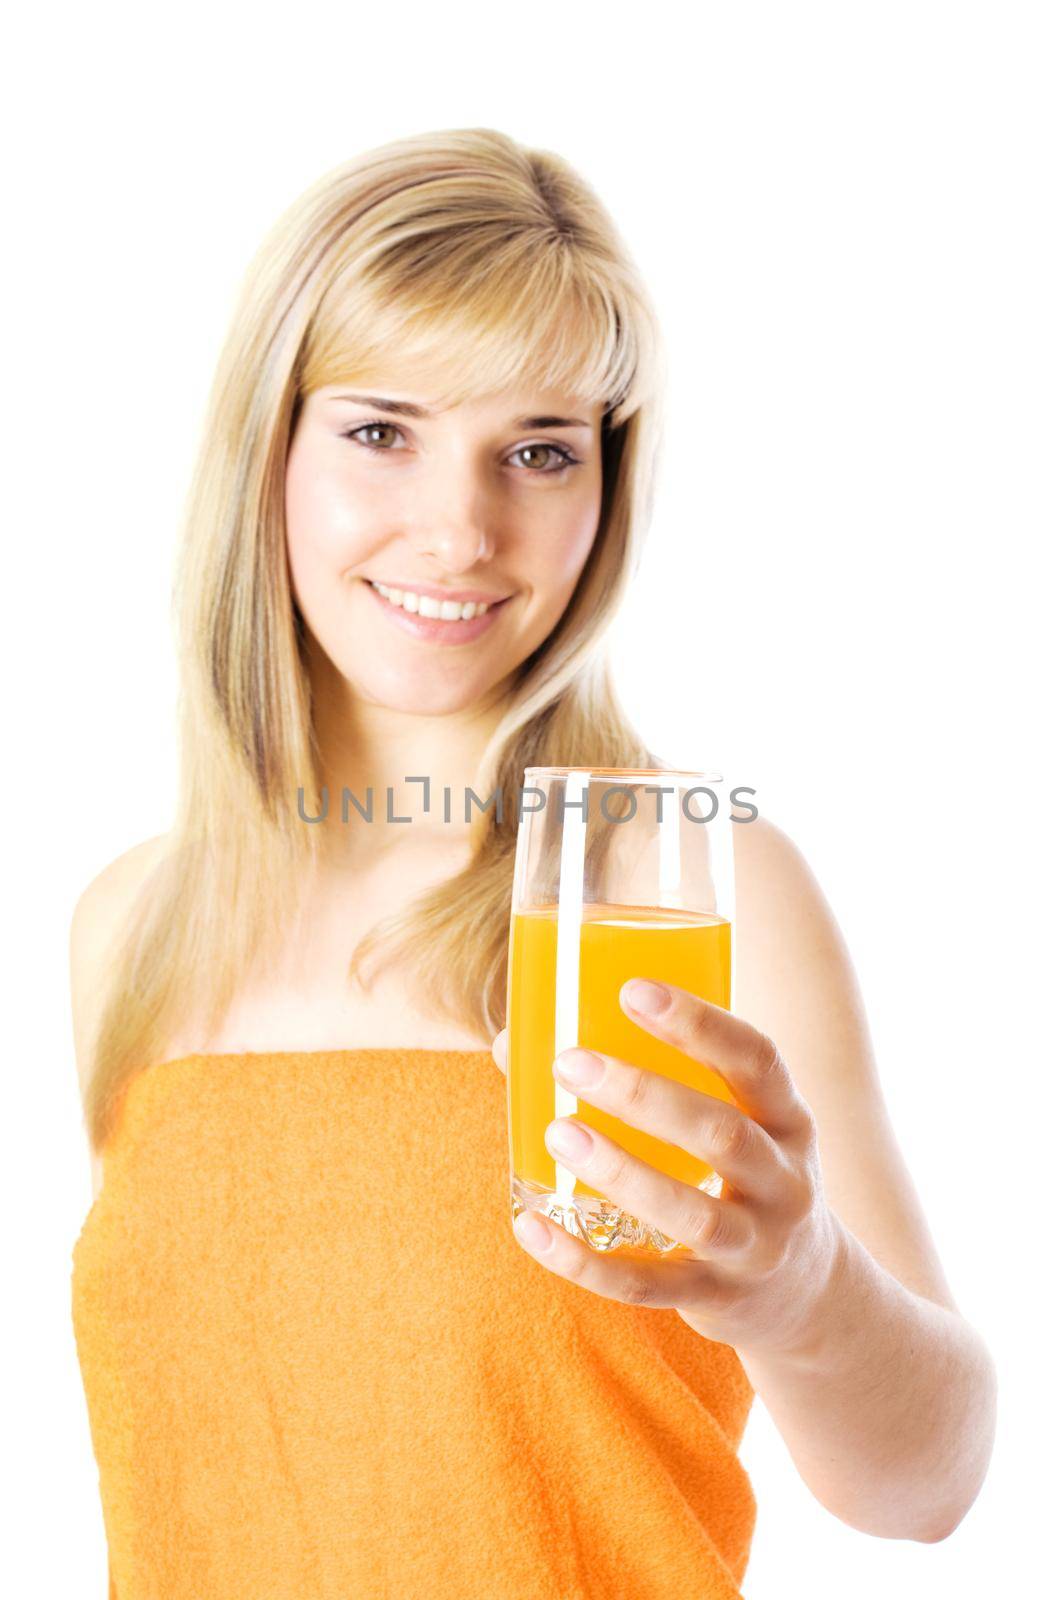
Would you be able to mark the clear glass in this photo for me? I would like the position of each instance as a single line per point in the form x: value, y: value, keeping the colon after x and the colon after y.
x: 619, y: 873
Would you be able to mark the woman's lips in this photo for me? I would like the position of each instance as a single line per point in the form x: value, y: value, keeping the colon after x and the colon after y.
x: 434, y: 629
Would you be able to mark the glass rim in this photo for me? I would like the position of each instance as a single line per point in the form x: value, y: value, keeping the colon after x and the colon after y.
x: 626, y: 774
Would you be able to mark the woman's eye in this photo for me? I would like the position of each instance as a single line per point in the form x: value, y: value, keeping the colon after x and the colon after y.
x: 562, y: 458
x: 541, y: 459
x: 367, y: 432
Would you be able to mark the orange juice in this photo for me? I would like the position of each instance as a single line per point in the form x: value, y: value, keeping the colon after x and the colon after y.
x: 691, y: 950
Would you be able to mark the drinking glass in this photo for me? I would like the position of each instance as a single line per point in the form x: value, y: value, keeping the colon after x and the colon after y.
x: 619, y: 873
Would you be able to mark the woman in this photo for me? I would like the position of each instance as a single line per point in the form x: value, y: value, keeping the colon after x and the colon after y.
x: 316, y: 1360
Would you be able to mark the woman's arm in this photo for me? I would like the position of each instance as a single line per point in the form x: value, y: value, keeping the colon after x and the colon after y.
x: 888, y: 1406
x: 816, y: 1263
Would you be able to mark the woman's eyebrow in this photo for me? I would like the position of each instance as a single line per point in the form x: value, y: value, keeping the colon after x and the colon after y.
x: 407, y: 408
x: 551, y: 422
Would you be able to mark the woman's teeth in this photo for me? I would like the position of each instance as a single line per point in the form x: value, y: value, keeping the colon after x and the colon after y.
x: 427, y: 606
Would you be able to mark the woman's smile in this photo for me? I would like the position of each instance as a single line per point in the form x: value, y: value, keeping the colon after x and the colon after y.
x: 435, y: 629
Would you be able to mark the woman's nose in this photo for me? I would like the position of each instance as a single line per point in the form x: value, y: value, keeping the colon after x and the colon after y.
x: 454, y: 522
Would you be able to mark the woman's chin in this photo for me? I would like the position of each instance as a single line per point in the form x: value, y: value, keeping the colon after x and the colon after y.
x: 418, y: 695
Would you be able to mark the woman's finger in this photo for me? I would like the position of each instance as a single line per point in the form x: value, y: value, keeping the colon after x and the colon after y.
x: 712, y: 1229
x: 748, y: 1060
x: 732, y: 1143
x: 632, y: 1279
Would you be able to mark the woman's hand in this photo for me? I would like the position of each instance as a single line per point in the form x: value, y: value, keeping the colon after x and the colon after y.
x: 768, y: 1247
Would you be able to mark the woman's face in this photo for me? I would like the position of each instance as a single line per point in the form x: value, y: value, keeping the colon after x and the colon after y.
x: 496, y: 500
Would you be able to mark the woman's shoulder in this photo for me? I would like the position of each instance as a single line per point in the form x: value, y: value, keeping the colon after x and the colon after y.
x: 768, y: 863
x: 98, y: 915
x: 110, y: 893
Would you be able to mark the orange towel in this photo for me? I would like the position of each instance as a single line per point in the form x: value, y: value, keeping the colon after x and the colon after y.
x: 317, y: 1363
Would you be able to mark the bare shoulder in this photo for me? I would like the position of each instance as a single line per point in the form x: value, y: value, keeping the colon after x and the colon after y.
x: 796, y: 982
x: 794, y: 977
x: 99, y: 915
x: 762, y: 848
x: 783, y: 921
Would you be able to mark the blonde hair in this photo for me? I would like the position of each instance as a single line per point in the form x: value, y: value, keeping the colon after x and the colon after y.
x: 465, y: 250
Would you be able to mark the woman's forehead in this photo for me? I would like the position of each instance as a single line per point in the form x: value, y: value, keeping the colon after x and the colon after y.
x: 412, y: 396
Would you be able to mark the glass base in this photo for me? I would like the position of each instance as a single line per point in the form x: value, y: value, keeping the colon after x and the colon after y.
x: 602, y: 1225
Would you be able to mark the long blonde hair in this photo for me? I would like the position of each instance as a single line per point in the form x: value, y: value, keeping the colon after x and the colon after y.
x: 500, y: 263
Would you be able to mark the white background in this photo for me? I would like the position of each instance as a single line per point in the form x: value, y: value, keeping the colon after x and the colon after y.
x: 840, y: 211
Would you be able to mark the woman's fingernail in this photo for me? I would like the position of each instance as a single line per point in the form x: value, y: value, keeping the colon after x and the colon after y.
x: 532, y: 1231
x: 645, y: 996
x: 569, y: 1138
x: 579, y: 1066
